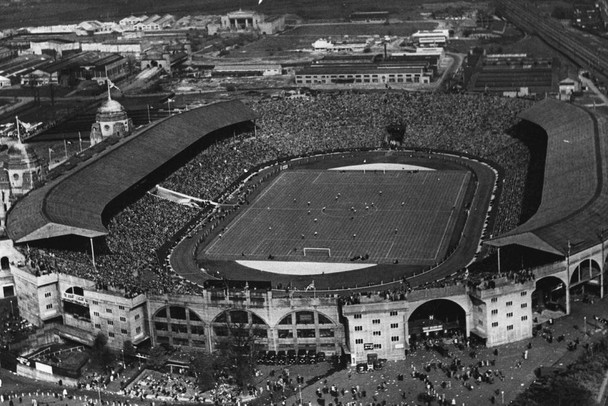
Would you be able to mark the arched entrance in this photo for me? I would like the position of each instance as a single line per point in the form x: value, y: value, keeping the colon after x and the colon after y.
x: 585, y: 280
x: 548, y: 297
x: 438, y: 318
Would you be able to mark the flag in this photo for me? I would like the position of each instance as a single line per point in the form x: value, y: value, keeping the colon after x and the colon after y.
x: 311, y: 286
x: 112, y: 85
x: 259, y: 2
x: 51, y: 149
x: 170, y: 100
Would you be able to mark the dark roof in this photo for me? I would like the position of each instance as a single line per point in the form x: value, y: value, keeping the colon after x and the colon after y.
x: 74, y: 202
x: 574, y: 207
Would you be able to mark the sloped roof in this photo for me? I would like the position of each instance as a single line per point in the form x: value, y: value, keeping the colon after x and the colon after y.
x: 574, y: 207
x: 74, y: 202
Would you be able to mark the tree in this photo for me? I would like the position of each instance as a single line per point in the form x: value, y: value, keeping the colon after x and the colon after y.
x: 100, y: 353
x: 202, y: 365
x: 158, y: 357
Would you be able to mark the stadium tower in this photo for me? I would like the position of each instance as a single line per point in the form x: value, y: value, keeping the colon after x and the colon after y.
x: 21, y: 174
x: 111, y: 120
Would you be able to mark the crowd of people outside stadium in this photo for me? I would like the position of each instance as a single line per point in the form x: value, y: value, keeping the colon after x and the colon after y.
x: 127, y: 259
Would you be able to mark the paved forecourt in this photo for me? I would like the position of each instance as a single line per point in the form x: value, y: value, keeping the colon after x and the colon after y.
x: 401, y: 215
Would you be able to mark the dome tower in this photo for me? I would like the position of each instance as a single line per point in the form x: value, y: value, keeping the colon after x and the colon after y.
x: 111, y: 119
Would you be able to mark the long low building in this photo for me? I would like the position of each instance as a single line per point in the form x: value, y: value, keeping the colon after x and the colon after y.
x: 341, y: 70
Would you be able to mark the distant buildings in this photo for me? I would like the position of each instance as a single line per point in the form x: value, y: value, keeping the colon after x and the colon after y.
x: 81, y: 66
x: 368, y: 69
x: 369, y: 16
x: 247, y: 21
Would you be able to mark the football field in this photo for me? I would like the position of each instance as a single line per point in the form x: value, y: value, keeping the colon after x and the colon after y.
x: 336, y: 216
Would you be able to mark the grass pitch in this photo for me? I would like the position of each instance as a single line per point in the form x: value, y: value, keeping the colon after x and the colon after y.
x: 394, y: 215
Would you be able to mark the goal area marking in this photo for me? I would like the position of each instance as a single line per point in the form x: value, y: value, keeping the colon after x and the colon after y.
x: 316, y: 252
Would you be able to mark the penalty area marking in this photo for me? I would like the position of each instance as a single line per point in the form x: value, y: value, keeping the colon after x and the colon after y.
x: 302, y: 268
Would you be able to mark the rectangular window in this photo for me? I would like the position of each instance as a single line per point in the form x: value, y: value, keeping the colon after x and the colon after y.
x: 359, y: 341
x: 510, y: 314
x: 138, y: 330
x: 494, y: 299
x: 377, y: 346
x: 358, y: 328
x: 121, y: 307
x: 394, y: 313
x: 480, y: 322
x: 110, y: 334
x: 395, y: 338
x: 509, y: 303
x: 285, y: 334
x: 524, y: 293
x: 137, y: 317
x: 510, y: 327
x: 95, y: 302
x: 495, y: 324
x: 49, y: 306
x: 108, y: 310
x: 123, y: 319
x: 326, y: 333
x: 357, y: 316
x: 110, y: 322
x: 524, y: 318
x: 97, y: 325
x: 377, y: 333
x: 96, y: 314
x: 47, y: 294
x: 524, y: 305
x: 376, y: 321
x: 494, y: 312
x: 123, y: 331
x: 394, y: 325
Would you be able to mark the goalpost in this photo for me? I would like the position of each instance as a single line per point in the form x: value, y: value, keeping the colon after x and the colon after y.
x: 317, y: 252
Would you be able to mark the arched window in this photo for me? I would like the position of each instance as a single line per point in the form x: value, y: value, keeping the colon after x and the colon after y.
x: 4, y: 263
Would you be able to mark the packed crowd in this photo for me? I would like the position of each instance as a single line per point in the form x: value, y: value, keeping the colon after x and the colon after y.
x: 128, y: 259
x: 163, y: 386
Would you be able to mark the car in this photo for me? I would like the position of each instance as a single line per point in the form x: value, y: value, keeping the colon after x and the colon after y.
x: 320, y: 357
x: 292, y: 357
x: 281, y: 357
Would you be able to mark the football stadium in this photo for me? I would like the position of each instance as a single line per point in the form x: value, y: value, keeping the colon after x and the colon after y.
x: 295, y: 218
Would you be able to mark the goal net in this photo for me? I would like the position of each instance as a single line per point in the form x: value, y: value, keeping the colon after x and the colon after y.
x: 317, y: 252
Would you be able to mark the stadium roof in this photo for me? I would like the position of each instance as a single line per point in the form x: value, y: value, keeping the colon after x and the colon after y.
x: 74, y: 202
x: 573, y: 214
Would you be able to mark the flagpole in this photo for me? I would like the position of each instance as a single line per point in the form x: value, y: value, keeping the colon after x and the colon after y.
x: 80, y: 140
x: 65, y: 147
x: 18, y: 129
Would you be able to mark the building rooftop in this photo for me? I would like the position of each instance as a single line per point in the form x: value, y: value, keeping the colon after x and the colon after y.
x: 73, y: 203
x: 573, y: 212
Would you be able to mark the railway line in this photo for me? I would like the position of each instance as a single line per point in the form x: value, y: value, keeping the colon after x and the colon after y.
x: 583, y: 49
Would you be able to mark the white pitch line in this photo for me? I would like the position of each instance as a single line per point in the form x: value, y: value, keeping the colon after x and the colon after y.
x: 448, y: 223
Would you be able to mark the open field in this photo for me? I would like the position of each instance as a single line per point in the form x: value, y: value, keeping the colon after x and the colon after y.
x: 401, y: 216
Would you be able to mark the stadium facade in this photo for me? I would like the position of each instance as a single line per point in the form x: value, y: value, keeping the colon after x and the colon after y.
x: 569, y: 226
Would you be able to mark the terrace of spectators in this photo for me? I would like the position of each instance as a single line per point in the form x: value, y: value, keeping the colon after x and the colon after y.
x: 74, y: 202
x: 573, y: 214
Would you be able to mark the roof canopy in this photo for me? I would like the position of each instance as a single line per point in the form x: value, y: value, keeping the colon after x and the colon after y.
x: 573, y: 213
x: 74, y: 202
